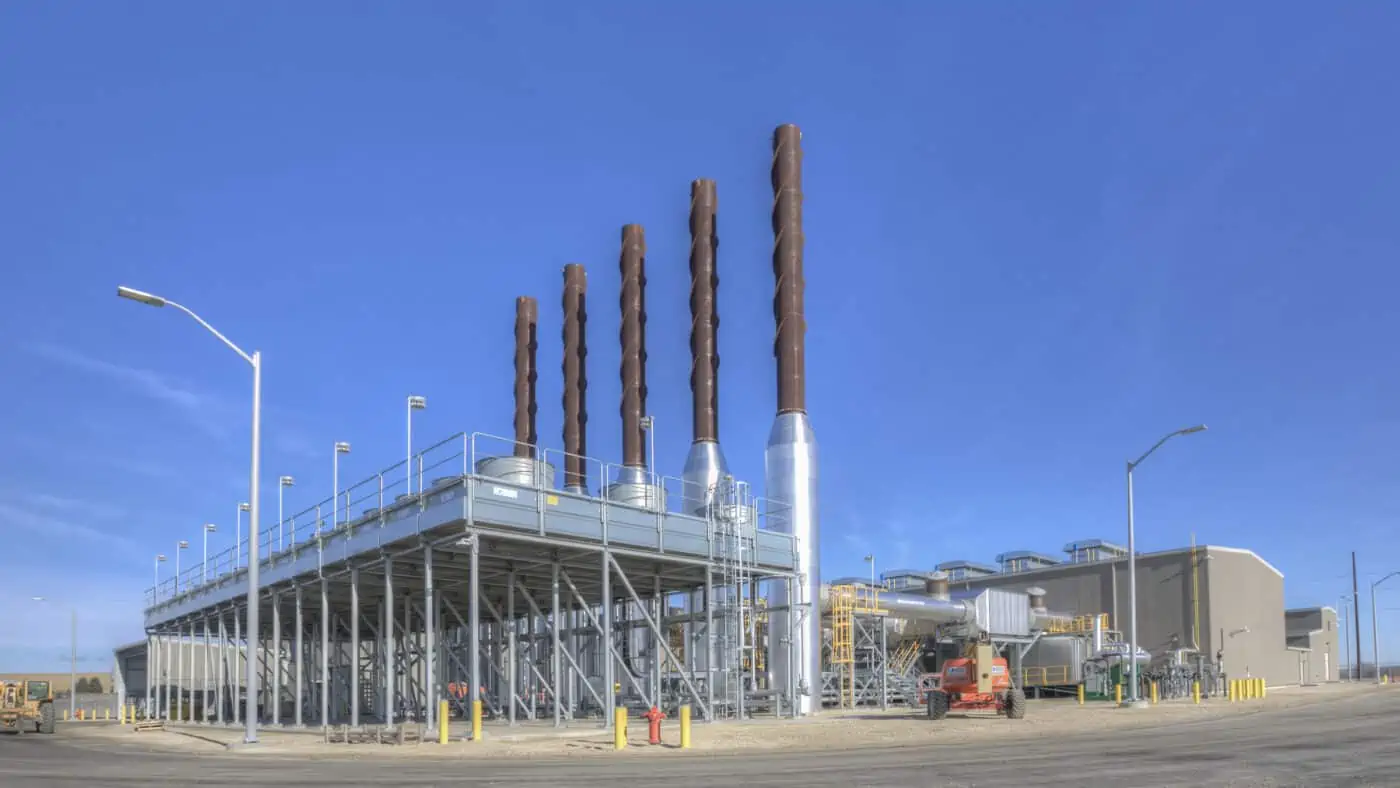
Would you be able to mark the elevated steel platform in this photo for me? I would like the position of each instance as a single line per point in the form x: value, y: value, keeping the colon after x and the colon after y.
x: 537, y: 599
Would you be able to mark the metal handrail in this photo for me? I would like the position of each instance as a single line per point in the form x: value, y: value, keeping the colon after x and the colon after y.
x: 303, y: 527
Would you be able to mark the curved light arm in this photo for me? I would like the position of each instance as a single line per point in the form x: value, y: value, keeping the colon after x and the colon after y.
x: 155, y: 300
x: 1167, y: 437
x: 1383, y: 579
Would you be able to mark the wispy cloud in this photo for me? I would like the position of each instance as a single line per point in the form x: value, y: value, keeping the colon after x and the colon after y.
x: 61, y: 503
x: 198, y: 408
x: 17, y: 516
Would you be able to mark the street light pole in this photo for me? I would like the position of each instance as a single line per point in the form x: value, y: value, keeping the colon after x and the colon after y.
x: 283, y: 483
x: 255, y: 361
x: 871, y: 560
x: 238, y: 538
x: 341, y: 447
x: 209, y: 528
x: 1376, y: 631
x: 415, y: 402
x: 1133, y: 701
x: 160, y: 559
x: 180, y: 547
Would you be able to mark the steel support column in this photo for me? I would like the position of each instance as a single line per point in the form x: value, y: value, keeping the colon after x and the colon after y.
x: 710, y: 644
x: 390, y: 674
x: 605, y: 631
x: 474, y: 615
x: 235, y: 687
x: 222, y: 663
x: 325, y: 654
x: 512, y: 659
x: 556, y: 667
x: 299, y: 647
x: 276, y: 658
x: 430, y: 649
x: 169, y: 679
x: 355, y: 646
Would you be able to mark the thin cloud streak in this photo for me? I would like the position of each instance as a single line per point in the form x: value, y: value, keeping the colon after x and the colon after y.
x: 198, y: 408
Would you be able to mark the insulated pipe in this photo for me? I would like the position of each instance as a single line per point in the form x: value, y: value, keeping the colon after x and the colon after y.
x: 632, y: 265
x: 575, y: 377
x: 526, y: 325
x: 919, y: 607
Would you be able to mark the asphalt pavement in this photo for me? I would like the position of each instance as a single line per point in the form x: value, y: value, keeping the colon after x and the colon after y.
x: 1346, y: 741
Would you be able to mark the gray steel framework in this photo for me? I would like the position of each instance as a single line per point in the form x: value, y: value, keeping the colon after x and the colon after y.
x: 542, y: 604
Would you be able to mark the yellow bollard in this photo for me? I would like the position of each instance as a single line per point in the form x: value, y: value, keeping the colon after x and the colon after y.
x: 1263, y: 689
x: 1080, y: 692
x: 619, y: 728
x: 1154, y: 693
x: 443, y: 722
x: 131, y: 712
x: 107, y: 714
x: 121, y: 715
x: 476, y: 720
x: 65, y: 715
x: 1196, y: 692
x: 685, y: 727
x: 1117, y: 693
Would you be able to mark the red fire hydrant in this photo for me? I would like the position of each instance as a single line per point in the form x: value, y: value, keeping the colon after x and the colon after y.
x: 654, y: 717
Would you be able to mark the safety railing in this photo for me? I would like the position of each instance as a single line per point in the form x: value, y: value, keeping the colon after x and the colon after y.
x: 447, y: 462
x: 1077, y: 624
x: 1048, y: 676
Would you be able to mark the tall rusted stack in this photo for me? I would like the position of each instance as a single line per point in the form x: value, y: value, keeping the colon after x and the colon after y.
x: 575, y: 377
x: 790, y: 460
x: 704, y: 464
x: 633, y: 485
x: 527, y: 318
x: 633, y: 334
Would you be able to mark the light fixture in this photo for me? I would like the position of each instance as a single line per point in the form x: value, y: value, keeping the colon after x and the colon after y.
x: 140, y: 296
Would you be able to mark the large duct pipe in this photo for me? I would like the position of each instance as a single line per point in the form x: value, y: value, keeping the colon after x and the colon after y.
x: 704, y: 465
x: 575, y: 377
x: 633, y: 334
x: 790, y: 459
x: 527, y: 318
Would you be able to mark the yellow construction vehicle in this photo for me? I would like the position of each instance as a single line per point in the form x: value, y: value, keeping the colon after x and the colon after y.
x: 25, y: 706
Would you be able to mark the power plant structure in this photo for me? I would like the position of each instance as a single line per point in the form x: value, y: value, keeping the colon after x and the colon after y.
x: 470, y: 571
x: 475, y: 572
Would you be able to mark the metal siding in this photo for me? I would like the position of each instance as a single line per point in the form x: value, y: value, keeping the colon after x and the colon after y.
x: 1246, y: 593
x: 1001, y: 612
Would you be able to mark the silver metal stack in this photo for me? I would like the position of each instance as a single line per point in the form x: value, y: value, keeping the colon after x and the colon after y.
x: 790, y: 459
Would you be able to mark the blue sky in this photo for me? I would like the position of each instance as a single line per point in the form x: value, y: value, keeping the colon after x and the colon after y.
x: 1038, y: 237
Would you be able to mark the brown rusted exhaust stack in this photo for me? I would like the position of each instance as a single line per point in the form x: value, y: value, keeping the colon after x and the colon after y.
x: 527, y: 318
x: 704, y: 316
x: 789, y: 346
x: 575, y: 376
x: 633, y: 334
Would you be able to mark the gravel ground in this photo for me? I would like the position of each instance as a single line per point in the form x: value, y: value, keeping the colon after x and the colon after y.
x: 829, y: 731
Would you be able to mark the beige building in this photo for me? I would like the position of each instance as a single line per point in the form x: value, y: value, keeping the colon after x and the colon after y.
x: 1219, y: 600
